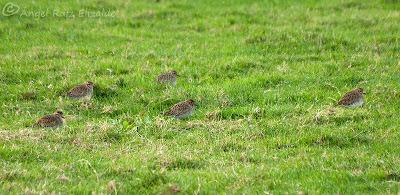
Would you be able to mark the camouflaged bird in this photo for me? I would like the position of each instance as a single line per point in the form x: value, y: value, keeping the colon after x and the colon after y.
x: 83, y: 91
x: 51, y: 121
x: 182, y: 109
x: 352, y: 99
x: 168, y: 78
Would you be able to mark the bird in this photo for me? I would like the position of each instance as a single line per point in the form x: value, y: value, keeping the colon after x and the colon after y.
x: 168, y: 77
x: 51, y: 121
x: 353, y: 98
x: 182, y: 109
x: 83, y: 91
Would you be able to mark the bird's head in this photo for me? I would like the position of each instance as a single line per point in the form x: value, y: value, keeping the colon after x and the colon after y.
x: 360, y: 90
x: 191, y: 102
x: 173, y: 72
x: 59, y: 113
x: 89, y: 84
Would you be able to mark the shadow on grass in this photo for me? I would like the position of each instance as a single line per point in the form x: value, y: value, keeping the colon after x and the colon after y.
x: 149, y: 178
x: 392, y: 177
x: 339, y: 142
x: 341, y: 120
x: 101, y: 92
x: 231, y: 147
x: 184, y: 164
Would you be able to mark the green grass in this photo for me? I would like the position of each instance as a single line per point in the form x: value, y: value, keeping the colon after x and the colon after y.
x: 265, y: 74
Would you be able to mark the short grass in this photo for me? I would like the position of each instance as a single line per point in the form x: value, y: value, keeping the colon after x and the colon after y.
x: 266, y: 76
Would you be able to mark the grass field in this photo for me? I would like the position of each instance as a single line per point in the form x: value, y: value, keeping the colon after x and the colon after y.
x: 265, y: 74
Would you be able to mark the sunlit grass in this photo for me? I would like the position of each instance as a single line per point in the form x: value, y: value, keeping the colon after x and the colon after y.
x: 266, y: 77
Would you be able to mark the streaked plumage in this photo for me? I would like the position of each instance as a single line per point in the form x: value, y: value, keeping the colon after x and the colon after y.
x: 168, y: 78
x: 83, y: 91
x: 182, y: 109
x: 51, y: 121
x: 354, y: 98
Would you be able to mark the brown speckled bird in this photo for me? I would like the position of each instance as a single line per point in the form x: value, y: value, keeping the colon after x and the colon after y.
x: 83, y: 91
x: 182, y: 109
x: 51, y: 121
x: 168, y: 78
x: 352, y: 99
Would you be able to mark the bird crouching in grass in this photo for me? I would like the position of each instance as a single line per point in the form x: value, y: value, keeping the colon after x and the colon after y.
x: 353, y: 98
x: 182, y: 109
x: 83, y: 91
x: 51, y: 121
x: 168, y: 77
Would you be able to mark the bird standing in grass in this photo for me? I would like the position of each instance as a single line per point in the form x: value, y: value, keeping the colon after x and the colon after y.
x: 168, y: 77
x: 182, y: 109
x: 51, y: 121
x: 83, y: 91
x: 352, y: 99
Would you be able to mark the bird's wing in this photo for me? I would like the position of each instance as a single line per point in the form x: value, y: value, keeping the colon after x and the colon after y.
x: 47, y: 120
x: 348, y: 98
x: 182, y: 108
x: 162, y: 77
x: 178, y: 109
x: 172, y: 111
x: 78, y: 91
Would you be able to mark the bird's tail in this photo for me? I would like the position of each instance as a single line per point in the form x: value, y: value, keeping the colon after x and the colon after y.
x: 35, y: 125
x: 339, y: 104
x: 166, y: 113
